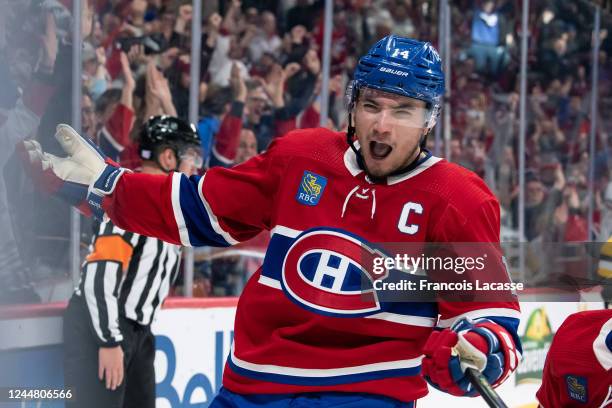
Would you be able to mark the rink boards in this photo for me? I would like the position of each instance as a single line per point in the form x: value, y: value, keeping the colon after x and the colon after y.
x: 193, y: 338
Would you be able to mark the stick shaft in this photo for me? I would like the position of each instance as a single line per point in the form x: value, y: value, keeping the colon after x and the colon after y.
x: 485, y: 389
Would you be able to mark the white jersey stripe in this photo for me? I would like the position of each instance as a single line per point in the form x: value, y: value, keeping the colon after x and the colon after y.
x: 601, y: 350
x: 608, y: 400
x: 147, y: 307
x: 212, y: 217
x: 164, y: 288
x: 176, y: 208
x: 480, y: 313
x: 90, y: 298
x: 285, y: 231
x: 420, y: 168
x: 149, y: 253
x: 112, y: 308
x: 327, y: 372
x: 273, y: 283
x: 404, y: 319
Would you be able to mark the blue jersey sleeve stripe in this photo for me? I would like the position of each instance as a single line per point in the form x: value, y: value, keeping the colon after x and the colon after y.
x: 277, y: 248
x: 211, y: 215
x: 423, y: 309
x: 198, y: 224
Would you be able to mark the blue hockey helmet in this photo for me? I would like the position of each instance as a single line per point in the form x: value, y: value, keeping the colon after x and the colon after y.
x: 402, y: 66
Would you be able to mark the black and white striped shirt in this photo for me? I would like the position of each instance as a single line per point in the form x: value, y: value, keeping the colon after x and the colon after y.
x: 125, y: 274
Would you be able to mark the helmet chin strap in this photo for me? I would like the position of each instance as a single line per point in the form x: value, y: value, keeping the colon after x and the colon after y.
x: 350, y: 134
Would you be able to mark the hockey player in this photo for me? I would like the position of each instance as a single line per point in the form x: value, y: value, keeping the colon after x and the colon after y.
x: 578, y: 367
x: 109, y: 347
x: 305, y: 333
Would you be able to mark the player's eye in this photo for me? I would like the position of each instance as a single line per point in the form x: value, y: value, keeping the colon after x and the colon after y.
x: 403, y: 113
x: 370, y: 107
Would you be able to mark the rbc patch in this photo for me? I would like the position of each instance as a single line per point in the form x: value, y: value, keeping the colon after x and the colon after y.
x: 577, y: 388
x: 311, y: 188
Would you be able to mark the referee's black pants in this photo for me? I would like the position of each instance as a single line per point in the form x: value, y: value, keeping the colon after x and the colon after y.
x: 81, y: 363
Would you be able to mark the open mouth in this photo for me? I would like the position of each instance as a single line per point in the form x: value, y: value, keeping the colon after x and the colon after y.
x: 379, y: 150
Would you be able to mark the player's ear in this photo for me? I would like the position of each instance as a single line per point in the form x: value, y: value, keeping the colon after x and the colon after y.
x: 167, y: 159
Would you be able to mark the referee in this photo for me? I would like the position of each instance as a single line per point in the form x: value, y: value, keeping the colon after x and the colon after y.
x: 109, y: 347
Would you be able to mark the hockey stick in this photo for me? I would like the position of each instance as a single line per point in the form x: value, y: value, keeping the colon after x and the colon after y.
x: 473, y: 362
x: 484, y: 388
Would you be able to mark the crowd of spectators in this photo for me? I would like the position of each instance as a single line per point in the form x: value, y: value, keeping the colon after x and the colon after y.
x: 260, y: 76
x: 485, y: 114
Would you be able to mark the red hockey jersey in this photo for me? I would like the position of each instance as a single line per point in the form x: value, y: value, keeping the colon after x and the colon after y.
x: 303, y: 323
x: 578, y: 368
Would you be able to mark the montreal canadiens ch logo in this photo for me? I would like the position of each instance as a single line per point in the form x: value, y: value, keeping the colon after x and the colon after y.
x: 329, y: 272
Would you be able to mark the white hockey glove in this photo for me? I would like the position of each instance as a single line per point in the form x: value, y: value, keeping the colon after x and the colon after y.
x: 82, y: 178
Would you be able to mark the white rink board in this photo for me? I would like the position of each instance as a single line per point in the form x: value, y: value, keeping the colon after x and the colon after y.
x: 201, y: 338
